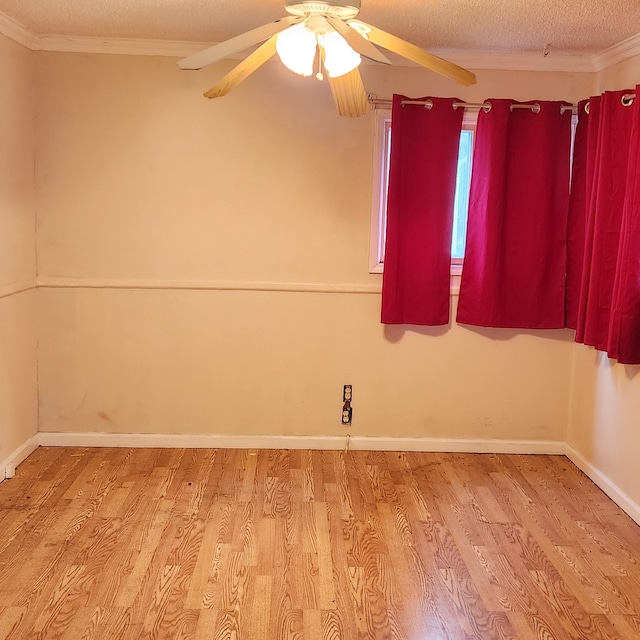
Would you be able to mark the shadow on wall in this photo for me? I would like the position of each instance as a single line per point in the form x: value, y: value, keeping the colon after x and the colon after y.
x: 631, y: 371
x: 502, y: 334
x: 395, y: 333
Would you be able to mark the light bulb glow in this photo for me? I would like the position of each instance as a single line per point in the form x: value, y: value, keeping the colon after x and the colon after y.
x: 339, y: 57
x: 296, y: 47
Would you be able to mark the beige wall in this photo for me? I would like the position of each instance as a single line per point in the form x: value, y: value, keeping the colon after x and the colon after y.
x: 145, y: 188
x: 17, y: 251
x: 18, y: 394
x: 163, y: 216
x: 625, y: 75
x: 603, y: 427
x: 605, y: 404
x: 273, y: 363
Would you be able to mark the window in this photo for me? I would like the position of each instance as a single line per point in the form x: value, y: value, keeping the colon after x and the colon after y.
x: 382, y: 151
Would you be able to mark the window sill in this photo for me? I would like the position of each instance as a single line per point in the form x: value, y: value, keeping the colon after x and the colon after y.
x: 456, y: 268
x: 456, y: 273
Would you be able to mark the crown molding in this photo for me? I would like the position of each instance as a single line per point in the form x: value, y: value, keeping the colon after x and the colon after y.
x: 620, y: 52
x: 165, y: 48
x: 525, y: 61
x: 17, y: 32
x: 477, y: 60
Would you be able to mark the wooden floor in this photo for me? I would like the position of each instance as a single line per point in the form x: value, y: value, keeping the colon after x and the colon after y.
x: 252, y: 545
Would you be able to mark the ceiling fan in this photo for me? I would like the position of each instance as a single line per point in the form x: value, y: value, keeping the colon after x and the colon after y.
x: 326, y: 30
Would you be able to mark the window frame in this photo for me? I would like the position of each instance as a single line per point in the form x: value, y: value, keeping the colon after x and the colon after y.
x: 381, y: 149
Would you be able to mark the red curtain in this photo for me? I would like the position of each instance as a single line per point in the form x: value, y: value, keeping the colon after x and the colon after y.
x: 608, y: 311
x: 515, y: 258
x: 422, y: 180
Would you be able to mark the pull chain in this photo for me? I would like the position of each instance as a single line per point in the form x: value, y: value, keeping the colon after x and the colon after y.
x: 320, y: 75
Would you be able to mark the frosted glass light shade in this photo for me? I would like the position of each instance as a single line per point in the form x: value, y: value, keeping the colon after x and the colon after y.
x: 296, y: 47
x: 339, y: 57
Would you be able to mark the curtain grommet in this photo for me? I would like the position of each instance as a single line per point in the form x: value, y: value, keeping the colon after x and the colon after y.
x: 627, y: 99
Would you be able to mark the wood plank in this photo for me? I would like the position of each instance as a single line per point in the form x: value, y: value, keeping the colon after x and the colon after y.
x: 138, y: 544
x: 10, y: 618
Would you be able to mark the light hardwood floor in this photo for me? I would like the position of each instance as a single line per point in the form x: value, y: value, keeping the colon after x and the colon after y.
x: 254, y: 545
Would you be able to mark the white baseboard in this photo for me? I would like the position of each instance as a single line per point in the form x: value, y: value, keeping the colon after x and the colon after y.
x: 627, y: 504
x: 356, y: 443
x: 335, y: 443
x: 8, y: 466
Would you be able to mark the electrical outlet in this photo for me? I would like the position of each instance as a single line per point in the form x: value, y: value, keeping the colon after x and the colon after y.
x: 347, y: 409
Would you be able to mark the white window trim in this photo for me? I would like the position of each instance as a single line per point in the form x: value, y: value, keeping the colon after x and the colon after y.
x: 378, y: 197
x: 379, y: 184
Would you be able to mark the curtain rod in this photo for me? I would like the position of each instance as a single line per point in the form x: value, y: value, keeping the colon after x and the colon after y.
x: 381, y: 103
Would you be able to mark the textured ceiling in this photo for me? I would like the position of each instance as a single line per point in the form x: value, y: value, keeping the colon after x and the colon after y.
x: 581, y: 26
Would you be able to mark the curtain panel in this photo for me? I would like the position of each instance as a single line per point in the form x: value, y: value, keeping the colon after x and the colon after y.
x: 515, y: 259
x: 606, y: 204
x: 536, y: 257
x: 422, y: 183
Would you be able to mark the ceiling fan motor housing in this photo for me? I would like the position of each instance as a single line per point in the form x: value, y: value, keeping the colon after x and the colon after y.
x: 343, y: 9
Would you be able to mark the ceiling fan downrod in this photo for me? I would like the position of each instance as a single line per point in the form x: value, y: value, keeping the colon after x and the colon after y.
x: 343, y: 9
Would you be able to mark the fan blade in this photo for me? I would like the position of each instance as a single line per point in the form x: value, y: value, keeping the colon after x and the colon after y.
x: 349, y: 94
x: 239, y: 43
x: 416, y: 54
x: 356, y: 41
x: 242, y: 71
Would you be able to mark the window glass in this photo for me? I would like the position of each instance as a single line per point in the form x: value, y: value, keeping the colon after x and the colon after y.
x: 381, y: 184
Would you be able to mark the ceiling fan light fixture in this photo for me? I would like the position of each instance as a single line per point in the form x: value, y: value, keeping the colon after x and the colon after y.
x: 296, y: 47
x: 339, y: 57
x: 362, y: 28
x: 343, y: 9
x: 326, y: 28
